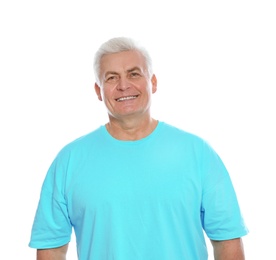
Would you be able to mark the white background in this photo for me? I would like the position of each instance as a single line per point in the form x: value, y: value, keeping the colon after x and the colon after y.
x: 215, y: 64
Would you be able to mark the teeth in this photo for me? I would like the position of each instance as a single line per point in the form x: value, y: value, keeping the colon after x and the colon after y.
x: 126, y: 98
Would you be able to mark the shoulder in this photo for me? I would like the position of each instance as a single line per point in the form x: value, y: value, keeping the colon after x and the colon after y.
x: 187, y: 140
x: 174, y: 132
x: 82, y: 143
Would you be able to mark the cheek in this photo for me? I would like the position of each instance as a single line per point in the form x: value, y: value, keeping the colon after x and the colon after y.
x: 107, y: 95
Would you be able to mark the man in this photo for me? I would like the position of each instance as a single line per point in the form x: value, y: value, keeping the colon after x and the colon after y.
x: 136, y: 188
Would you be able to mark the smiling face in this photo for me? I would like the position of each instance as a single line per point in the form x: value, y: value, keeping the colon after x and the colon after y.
x: 126, y: 86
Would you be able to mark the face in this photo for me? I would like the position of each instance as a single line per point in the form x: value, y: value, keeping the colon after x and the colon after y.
x: 126, y: 88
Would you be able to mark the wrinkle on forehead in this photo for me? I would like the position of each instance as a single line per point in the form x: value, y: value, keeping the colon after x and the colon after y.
x: 123, y: 62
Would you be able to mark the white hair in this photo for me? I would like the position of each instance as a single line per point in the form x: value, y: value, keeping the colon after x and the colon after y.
x: 116, y: 45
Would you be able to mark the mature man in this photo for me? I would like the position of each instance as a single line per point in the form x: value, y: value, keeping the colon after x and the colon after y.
x: 136, y: 188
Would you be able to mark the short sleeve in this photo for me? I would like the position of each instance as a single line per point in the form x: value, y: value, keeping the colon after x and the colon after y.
x: 221, y: 214
x: 52, y: 227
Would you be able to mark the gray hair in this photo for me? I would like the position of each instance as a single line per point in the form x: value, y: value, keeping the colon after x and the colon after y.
x: 116, y: 45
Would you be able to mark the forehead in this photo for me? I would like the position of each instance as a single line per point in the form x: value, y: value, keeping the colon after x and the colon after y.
x: 122, y: 61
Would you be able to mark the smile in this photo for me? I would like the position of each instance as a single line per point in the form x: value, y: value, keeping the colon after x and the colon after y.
x: 126, y: 98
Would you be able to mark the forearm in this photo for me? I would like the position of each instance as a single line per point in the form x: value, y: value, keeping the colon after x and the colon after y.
x: 58, y: 253
x: 228, y: 249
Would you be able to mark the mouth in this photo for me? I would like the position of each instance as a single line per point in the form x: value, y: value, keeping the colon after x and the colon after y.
x: 121, y: 99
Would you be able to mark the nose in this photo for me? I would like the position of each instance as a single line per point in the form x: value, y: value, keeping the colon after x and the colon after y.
x: 123, y: 84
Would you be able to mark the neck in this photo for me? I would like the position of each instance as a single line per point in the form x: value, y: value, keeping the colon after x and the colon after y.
x: 131, y: 129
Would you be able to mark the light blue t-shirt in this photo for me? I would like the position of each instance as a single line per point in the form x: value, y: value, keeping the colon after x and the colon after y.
x: 149, y: 199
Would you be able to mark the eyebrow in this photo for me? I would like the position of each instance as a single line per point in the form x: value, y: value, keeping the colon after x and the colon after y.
x: 134, y: 68
x: 111, y: 72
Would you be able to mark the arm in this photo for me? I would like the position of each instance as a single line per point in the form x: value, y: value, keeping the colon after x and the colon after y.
x: 228, y: 249
x: 58, y: 253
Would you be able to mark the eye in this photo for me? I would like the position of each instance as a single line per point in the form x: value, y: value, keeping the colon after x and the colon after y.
x: 111, y: 78
x: 134, y: 74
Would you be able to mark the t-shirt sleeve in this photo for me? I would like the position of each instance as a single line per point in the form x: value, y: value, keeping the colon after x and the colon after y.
x: 52, y: 227
x: 220, y: 211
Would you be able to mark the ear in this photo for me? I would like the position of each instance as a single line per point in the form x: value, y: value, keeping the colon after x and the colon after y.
x: 98, y: 91
x: 154, y: 83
